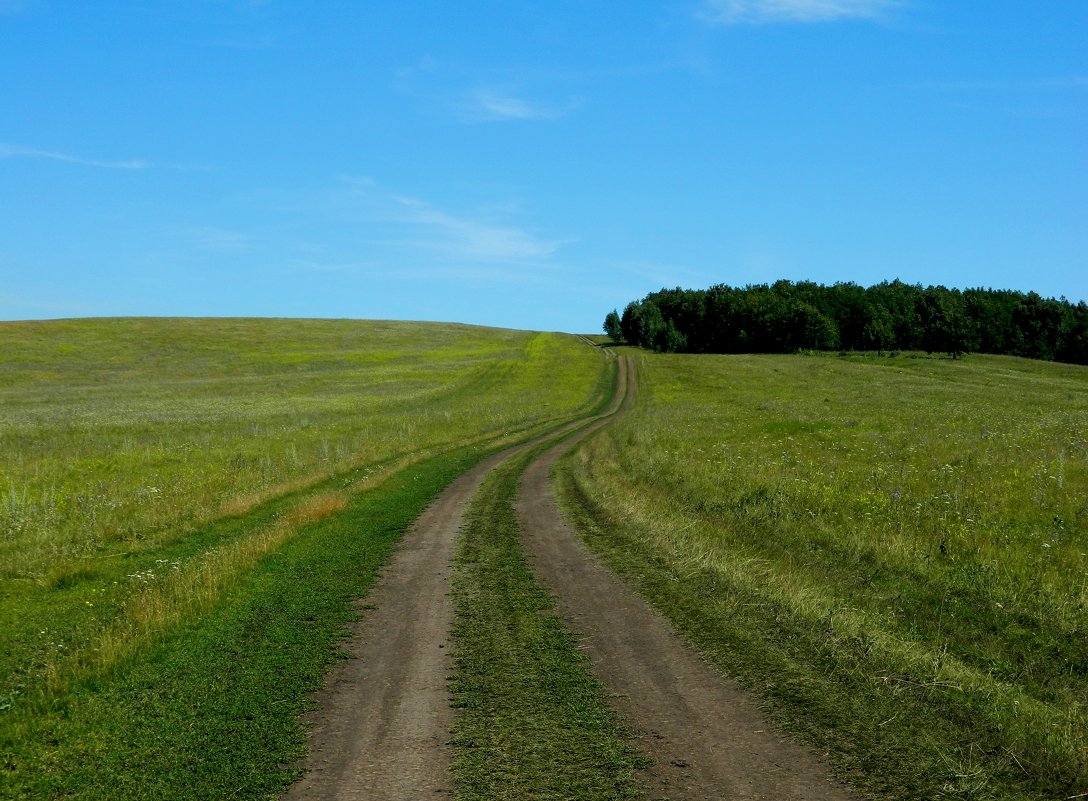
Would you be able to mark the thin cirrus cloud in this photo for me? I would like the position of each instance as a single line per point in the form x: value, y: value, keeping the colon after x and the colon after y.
x: 757, y: 12
x: 469, y: 96
x: 468, y: 238
x: 15, y: 151
x: 498, y: 104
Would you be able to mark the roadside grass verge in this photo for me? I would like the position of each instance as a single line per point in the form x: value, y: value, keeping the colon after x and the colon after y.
x: 211, y: 709
x: 112, y: 555
x: 890, y: 552
x: 532, y: 721
x: 108, y: 549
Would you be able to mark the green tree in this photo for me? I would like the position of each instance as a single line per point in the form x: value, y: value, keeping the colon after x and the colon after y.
x: 787, y: 316
x: 612, y: 326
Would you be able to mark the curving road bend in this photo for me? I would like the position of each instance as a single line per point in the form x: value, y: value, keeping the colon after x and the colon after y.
x: 383, y: 719
x: 707, y: 738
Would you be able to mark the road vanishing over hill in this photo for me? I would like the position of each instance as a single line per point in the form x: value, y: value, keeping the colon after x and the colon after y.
x: 382, y: 724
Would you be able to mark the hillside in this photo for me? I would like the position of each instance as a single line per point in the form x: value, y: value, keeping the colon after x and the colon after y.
x: 890, y: 552
x: 165, y: 483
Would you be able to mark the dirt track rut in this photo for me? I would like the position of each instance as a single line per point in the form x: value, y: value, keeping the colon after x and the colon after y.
x: 708, y: 739
x: 383, y: 719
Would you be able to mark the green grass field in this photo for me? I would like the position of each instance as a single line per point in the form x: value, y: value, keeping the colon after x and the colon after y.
x: 156, y: 474
x: 118, y: 430
x: 891, y: 552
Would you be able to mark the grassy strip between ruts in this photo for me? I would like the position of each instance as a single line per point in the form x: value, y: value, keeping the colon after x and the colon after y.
x: 533, y: 722
x: 212, y: 710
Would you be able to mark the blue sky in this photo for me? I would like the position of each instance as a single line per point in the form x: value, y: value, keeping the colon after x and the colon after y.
x: 530, y: 163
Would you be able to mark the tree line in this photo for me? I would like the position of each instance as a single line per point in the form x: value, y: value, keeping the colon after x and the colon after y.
x: 786, y: 317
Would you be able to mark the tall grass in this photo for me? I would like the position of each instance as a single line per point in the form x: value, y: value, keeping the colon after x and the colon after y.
x: 891, y: 551
x: 147, y: 465
x: 173, y: 592
x: 212, y: 709
x: 112, y: 431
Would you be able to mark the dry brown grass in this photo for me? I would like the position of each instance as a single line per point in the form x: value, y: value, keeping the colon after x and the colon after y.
x: 318, y: 508
x: 244, y: 504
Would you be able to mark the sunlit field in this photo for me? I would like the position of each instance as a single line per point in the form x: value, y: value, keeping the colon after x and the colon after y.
x: 890, y: 551
x: 119, y: 430
x: 147, y: 465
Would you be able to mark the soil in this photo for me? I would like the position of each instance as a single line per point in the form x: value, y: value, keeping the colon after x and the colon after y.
x: 383, y: 720
x: 383, y: 717
x: 706, y: 736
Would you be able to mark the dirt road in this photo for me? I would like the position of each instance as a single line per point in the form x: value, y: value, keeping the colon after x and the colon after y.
x: 383, y: 720
x: 706, y: 736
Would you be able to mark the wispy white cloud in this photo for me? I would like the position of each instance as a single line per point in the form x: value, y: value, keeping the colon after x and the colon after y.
x: 8, y: 151
x: 496, y: 104
x: 757, y: 12
x: 471, y: 238
x: 489, y: 232
x: 474, y: 96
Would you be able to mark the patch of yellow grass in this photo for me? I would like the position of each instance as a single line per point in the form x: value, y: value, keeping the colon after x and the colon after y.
x: 184, y: 592
x: 244, y: 504
x: 318, y: 508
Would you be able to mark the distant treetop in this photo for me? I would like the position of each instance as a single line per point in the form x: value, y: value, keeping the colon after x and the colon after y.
x: 784, y: 317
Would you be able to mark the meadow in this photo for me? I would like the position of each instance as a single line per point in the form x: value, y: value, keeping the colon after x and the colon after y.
x: 890, y: 551
x: 154, y: 476
x: 115, y: 431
